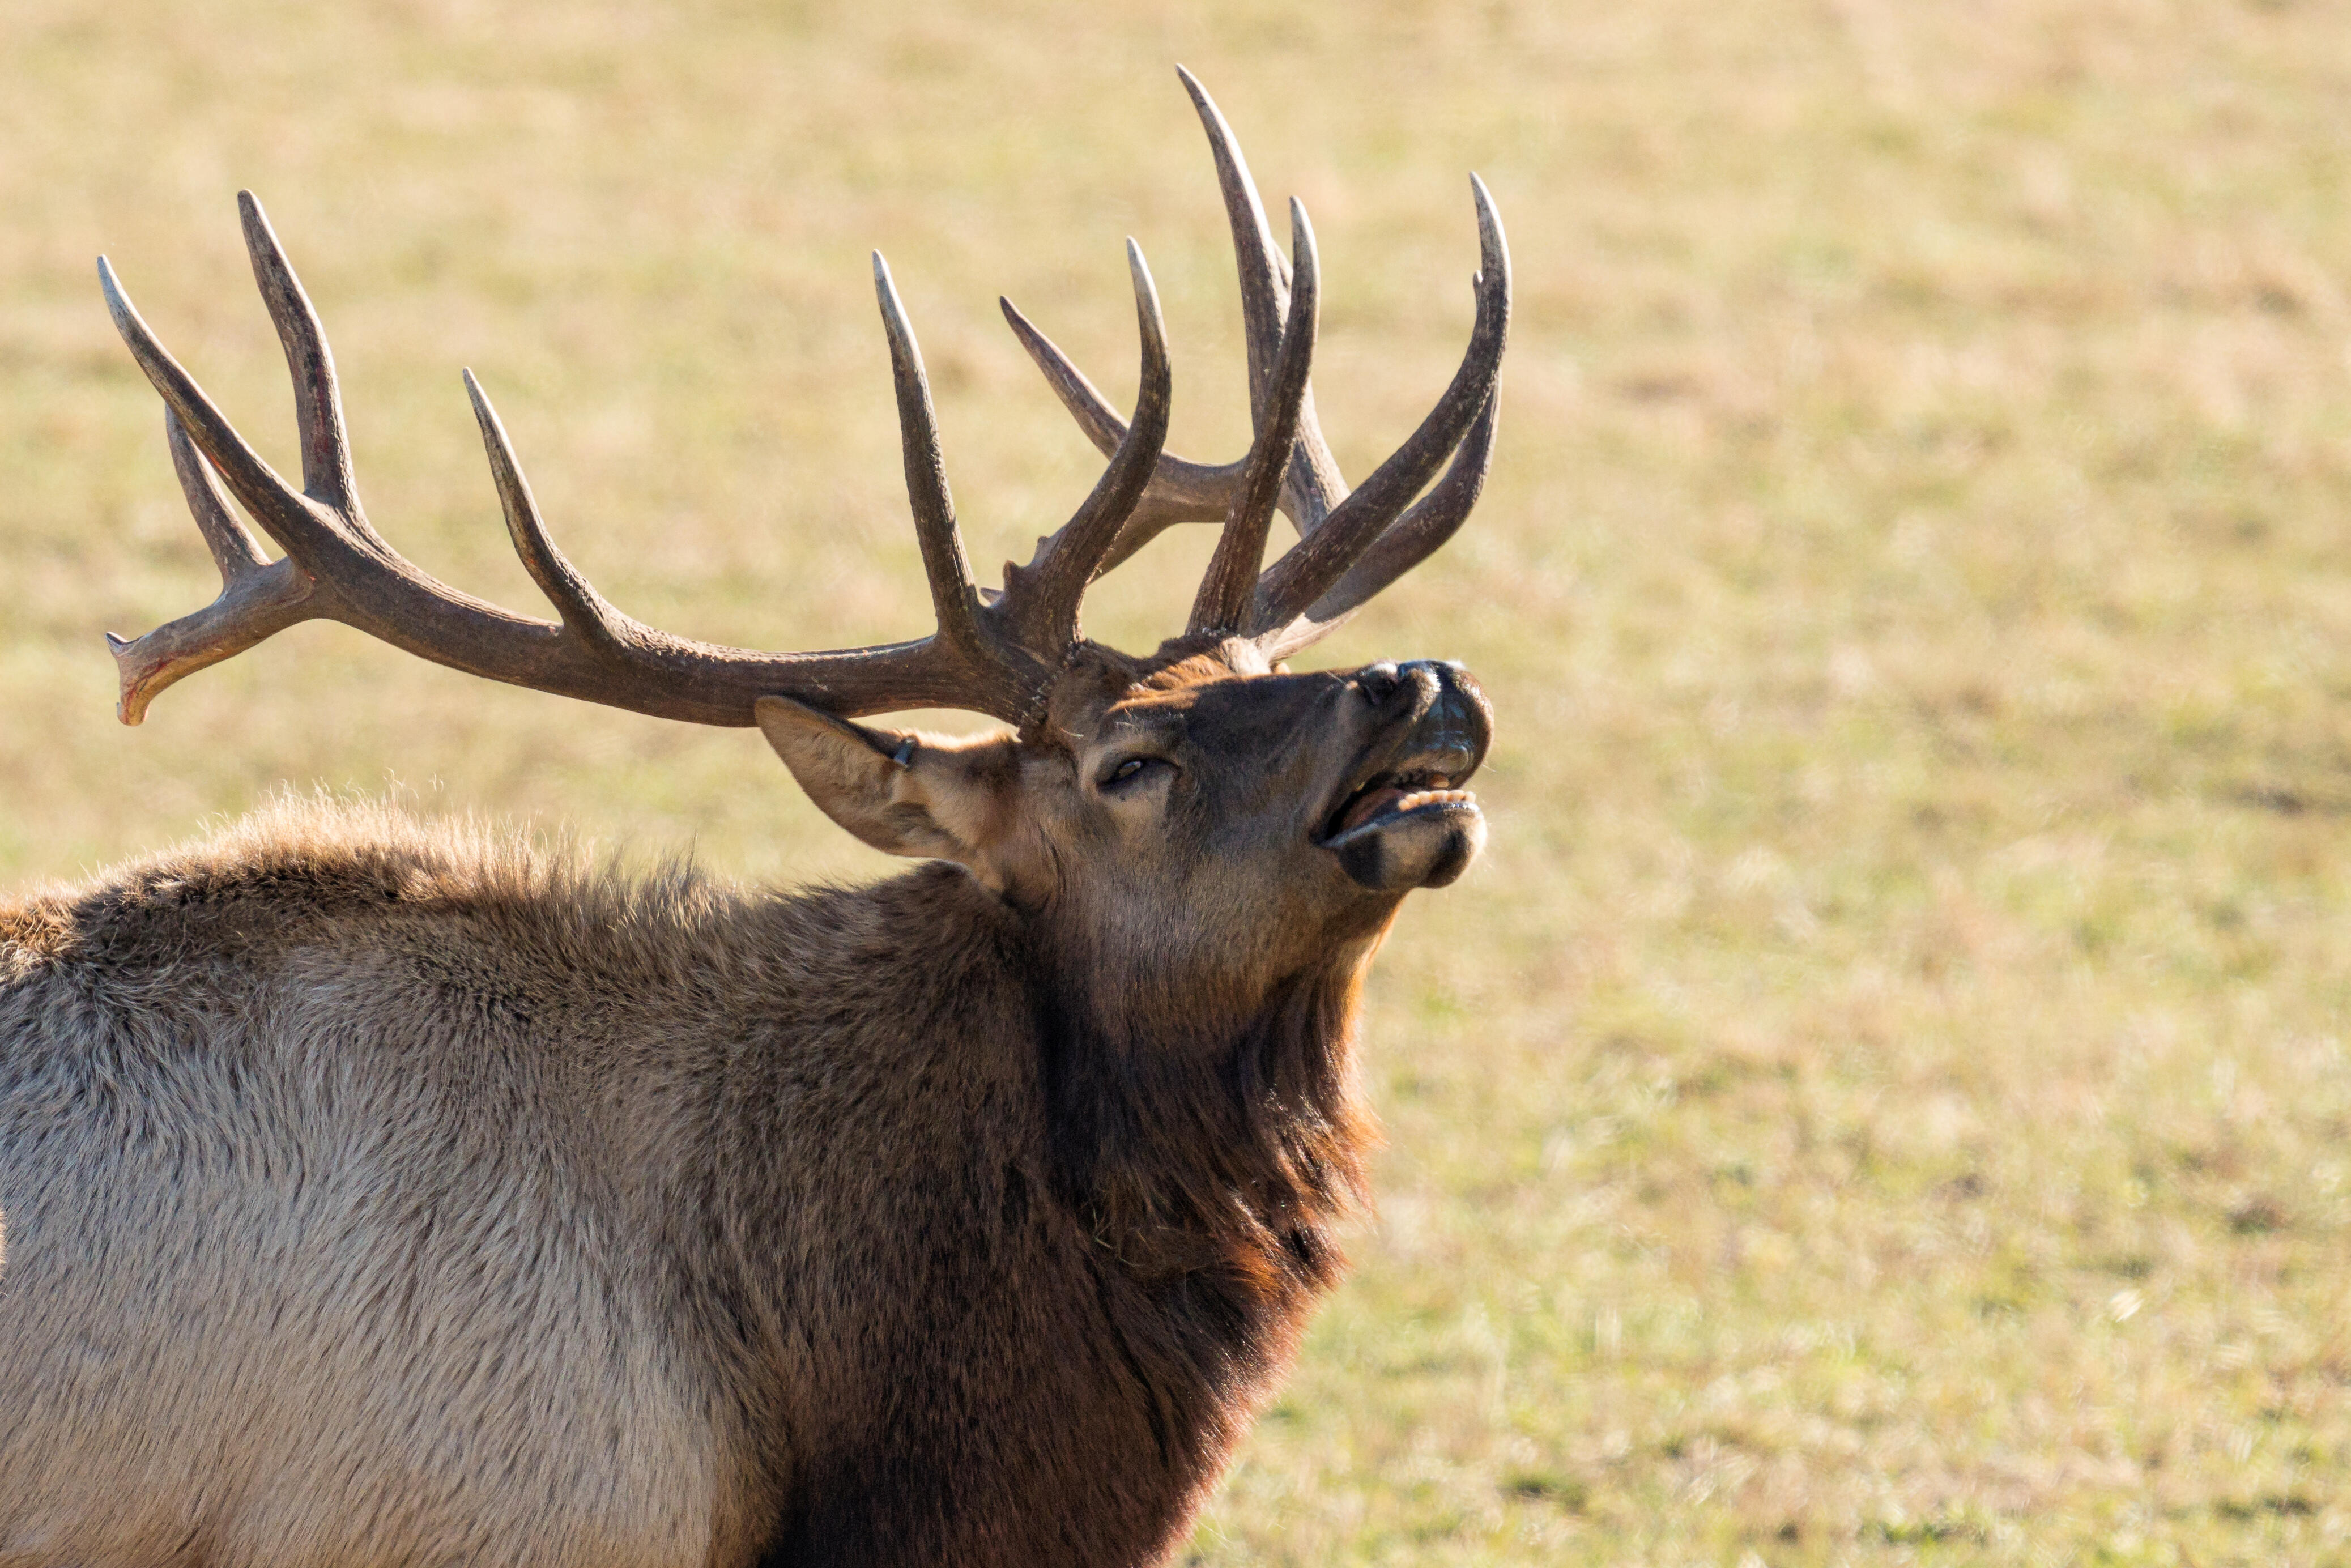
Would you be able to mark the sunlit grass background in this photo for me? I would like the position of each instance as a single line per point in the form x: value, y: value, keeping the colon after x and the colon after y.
x: 1884, y: 1096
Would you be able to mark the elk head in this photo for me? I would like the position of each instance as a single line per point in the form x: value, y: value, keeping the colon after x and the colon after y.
x: 1170, y: 805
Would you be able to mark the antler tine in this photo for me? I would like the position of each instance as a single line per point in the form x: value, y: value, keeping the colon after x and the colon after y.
x: 257, y: 600
x: 1188, y: 492
x: 1265, y: 282
x: 955, y: 597
x: 318, y: 401
x: 1411, y: 539
x: 1042, y: 599
x: 1311, y: 485
x: 1316, y: 562
x: 583, y: 611
x: 1181, y: 490
x: 234, y: 549
x: 298, y: 529
x: 1230, y: 583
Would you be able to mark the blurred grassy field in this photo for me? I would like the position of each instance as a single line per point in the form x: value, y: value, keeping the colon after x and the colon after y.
x: 1883, y: 1098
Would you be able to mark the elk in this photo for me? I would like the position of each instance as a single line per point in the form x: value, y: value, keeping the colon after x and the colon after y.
x: 383, y: 1192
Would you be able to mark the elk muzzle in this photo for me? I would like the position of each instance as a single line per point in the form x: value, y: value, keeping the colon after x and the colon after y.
x: 1401, y: 820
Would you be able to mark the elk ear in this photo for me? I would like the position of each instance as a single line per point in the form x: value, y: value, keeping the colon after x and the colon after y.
x: 932, y: 797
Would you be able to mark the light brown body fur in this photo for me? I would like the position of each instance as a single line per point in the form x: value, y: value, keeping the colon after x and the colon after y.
x: 376, y: 1193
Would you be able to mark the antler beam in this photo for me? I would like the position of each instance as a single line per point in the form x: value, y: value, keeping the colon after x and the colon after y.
x: 337, y: 567
x: 992, y: 653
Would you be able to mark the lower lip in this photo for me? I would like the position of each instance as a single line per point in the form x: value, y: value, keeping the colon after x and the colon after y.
x: 1395, y: 805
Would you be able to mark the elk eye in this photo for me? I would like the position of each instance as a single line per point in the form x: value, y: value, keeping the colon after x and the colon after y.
x: 1128, y: 769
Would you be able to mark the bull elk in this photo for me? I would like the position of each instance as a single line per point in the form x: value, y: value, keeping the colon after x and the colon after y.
x: 382, y: 1193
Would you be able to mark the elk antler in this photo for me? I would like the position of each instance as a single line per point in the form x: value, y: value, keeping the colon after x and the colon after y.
x: 1229, y: 585
x: 1351, y: 544
x: 993, y: 656
x: 993, y: 653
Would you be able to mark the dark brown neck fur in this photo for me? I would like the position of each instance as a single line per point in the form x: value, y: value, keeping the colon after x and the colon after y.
x: 1229, y: 1149
x: 1153, y: 1198
x: 1209, y: 1165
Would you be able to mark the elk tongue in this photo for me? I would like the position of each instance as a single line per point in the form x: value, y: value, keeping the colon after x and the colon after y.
x: 1370, y: 804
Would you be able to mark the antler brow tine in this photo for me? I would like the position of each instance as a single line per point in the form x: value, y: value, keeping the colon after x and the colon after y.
x: 257, y: 597
x: 1411, y: 539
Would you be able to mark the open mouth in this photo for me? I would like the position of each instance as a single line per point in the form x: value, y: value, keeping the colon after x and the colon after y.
x: 1415, y: 779
x: 1400, y: 819
x: 1394, y: 793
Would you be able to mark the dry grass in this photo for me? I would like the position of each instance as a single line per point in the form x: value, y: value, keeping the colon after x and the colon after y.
x: 1885, y: 1099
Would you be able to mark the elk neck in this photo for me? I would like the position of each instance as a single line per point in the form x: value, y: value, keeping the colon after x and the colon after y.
x: 1021, y: 1110
x: 1208, y: 1129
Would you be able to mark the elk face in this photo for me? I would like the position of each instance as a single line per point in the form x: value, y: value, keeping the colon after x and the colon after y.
x: 1215, y: 824
x: 1338, y: 784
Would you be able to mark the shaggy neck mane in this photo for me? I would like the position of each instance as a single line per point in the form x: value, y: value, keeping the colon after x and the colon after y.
x: 1208, y: 1165
x: 1211, y: 1156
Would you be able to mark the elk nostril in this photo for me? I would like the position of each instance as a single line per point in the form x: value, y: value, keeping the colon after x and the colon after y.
x: 1377, y: 682
x: 1434, y: 670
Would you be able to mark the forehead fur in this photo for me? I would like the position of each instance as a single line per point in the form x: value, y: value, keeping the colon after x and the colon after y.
x: 1096, y: 677
x: 1197, y: 671
x: 1182, y: 664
